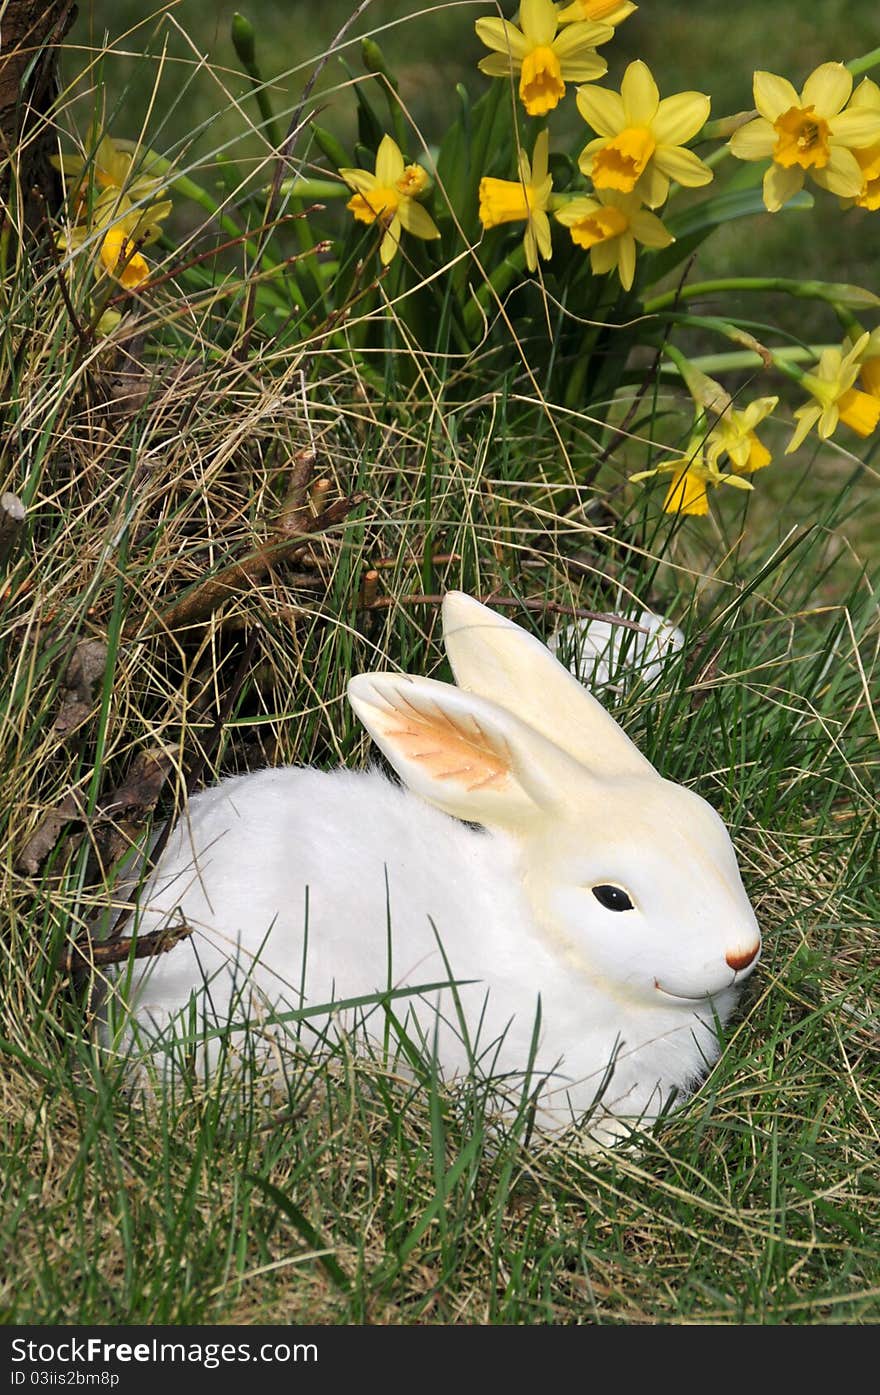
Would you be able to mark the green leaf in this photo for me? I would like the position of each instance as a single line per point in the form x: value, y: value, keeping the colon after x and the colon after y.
x: 287, y: 1208
x: 693, y: 225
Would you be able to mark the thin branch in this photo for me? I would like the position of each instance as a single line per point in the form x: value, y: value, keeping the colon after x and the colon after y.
x: 514, y: 603
x: 86, y: 953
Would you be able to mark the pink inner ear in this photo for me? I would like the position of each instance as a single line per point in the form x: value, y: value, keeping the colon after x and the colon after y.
x: 446, y: 746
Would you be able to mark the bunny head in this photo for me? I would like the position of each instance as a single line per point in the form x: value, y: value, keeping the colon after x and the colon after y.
x: 632, y: 880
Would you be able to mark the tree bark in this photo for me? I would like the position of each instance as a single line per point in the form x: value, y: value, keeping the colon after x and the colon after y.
x: 30, y: 32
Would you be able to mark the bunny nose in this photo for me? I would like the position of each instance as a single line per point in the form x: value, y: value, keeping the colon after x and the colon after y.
x: 741, y: 961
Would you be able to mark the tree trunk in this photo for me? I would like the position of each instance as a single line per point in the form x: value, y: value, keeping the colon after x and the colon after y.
x: 30, y: 31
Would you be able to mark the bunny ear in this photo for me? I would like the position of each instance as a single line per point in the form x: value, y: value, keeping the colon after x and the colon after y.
x: 496, y: 659
x: 464, y: 754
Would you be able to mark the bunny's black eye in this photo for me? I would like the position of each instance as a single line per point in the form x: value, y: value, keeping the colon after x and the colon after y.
x: 613, y: 898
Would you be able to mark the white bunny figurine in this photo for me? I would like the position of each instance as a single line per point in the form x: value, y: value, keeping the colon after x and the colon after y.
x: 592, y: 884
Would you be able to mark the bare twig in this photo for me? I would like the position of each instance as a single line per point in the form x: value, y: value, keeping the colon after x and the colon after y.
x: 86, y: 953
x: 294, y: 511
x: 514, y: 603
x: 200, y: 603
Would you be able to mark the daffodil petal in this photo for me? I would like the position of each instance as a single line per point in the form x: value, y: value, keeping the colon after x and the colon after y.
x: 530, y: 246
x: 757, y: 410
x: 543, y: 236
x: 497, y: 65
x: 389, y: 161
x: 417, y: 220
x: 577, y: 40
x: 537, y: 19
x: 806, y: 420
x: 680, y: 117
x: 652, y: 186
x: 584, y: 68
x: 390, y: 242
x: 541, y: 163
x: 827, y: 89
x: 585, y: 159
x: 504, y: 37
x: 602, y: 109
x: 780, y: 185
x: 867, y: 94
x: 828, y: 421
x: 603, y: 257
x: 683, y: 166
x: 576, y: 210
x: 858, y: 126
x: 360, y: 180
x: 648, y: 229
x: 756, y: 140
x: 71, y: 165
x: 640, y: 95
x: 626, y: 259
x: 773, y: 94
x: 842, y: 175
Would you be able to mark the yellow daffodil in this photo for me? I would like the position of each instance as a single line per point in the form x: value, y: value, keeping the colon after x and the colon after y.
x: 544, y: 56
x: 867, y: 95
x: 611, y: 12
x: 122, y: 259
x: 112, y: 168
x: 388, y: 198
x: 525, y: 199
x: 869, y: 372
x: 692, y: 475
x: 734, y: 435
x: 807, y: 133
x: 733, y: 431
x: 121, y: 231
x: 835, y: 399
x: 122, y: 184
x: 118, y: 253
x: 639, y: 146
x: 609, y: 226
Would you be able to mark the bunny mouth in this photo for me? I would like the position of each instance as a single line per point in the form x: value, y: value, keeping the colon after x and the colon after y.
x: 693, y: 997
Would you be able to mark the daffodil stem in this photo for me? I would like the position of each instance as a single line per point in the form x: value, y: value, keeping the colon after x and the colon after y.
x: 786, y: 367
x: 492, y: 289
x: 315, y: 190
x: 157, y: 166
x: 736, y: 362
x: 857, y: 66
x: 675, y: 355
x: 849, y: 323
x: 835, y: 294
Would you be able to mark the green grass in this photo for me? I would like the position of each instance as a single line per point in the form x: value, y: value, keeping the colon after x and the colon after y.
x: 357, y: 1191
